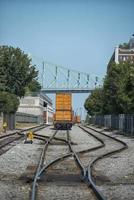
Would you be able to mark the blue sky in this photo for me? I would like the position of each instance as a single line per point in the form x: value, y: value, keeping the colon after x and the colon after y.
x: 81, y: 34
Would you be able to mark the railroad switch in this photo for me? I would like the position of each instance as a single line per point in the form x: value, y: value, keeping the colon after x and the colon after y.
x: 29, y: 137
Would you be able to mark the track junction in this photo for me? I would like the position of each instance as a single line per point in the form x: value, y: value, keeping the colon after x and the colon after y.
x: 59, y: 164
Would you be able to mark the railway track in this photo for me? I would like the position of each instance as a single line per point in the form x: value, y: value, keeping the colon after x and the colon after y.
x: 40, y: 164
x: 65, y: 171
x: 7, y: 141
x: 80, y: 174
x: 84, y: 171
x: 48, y: 137
x: 111, y: 146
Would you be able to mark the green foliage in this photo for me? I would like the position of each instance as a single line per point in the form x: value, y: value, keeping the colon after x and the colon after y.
x: 8, y: 102
x: 119, y: 89
x: 124, y: 46
x: 117, y: 95
x: 16, y: 71
x: 94, y: 103
x: 33, y: 86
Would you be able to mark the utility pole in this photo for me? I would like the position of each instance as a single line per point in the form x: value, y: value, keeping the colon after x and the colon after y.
x: 42, y: 76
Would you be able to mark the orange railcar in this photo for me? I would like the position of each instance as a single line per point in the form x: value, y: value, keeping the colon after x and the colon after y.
x: 78, y: 119
x: 63, y: 114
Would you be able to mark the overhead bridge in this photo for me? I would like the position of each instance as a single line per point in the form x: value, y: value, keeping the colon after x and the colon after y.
x: 59, y: 79
x: 65, y: 90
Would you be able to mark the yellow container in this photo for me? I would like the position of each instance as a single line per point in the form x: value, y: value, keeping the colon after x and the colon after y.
x: 63, y: 116
x: 63, y: 102
x: 63, y: 107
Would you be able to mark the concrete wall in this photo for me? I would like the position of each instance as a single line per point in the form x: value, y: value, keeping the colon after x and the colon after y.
x: 24, y: 118
x: 37, y: 106
x: 30, y: 105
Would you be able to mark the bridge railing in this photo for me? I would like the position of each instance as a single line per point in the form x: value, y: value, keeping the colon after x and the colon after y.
x: 122, y: 122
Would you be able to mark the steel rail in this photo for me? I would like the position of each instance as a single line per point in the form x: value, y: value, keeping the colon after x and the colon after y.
x: 77, y: 160
x: 84, y: 172
x: 118, y: 140
x: 40, y: 166
x: 13, y: 139
x: 21, y: 131
x: 40, y: 138
x: 90, y: 167
x: 7, y: 135
x: 53, y: 162
x: 65, y: 156
x: 47, y: 137
x: 45, y: 167
x: 21, y: 135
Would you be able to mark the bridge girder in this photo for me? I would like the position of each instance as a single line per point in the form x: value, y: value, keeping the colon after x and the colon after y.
x: 55, y: 78
x: 65, y: 90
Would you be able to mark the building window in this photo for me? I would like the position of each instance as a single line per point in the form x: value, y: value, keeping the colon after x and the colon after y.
x: 127, y: 57
x: 44, y: 104
x: 124, y: 58
x: 120, y: 58
x: 132, y: 57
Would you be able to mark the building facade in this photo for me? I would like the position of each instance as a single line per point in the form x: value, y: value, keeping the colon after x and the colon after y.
x: 123, y: 53
x: 38, y: 105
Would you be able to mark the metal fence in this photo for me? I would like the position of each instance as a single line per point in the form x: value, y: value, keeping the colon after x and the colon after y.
x: 24, y: 117
x: 19, y: 117
x: 123, y: 122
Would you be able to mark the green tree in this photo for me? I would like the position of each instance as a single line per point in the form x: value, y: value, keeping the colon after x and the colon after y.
x: 16, y: 70
x: 8, y: 102
x: 119, y: 89
x: 33, y: 86
x: 94, y: 103
x: 117, y: 95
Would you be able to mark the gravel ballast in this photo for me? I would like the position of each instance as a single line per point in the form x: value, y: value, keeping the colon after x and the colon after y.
x: 14, y: 170
x: 82, y: 139
x: 114, y: 175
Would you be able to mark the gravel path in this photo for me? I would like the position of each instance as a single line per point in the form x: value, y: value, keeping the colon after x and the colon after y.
x: 82, y: 139
x: 115, y: 174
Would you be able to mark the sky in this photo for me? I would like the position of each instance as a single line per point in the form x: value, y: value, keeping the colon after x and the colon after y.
x: 79, y: 34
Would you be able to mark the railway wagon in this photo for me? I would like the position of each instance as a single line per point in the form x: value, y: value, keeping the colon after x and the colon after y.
x: 78, y: 119
x: 63, y: 114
